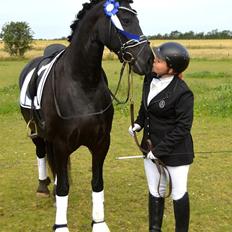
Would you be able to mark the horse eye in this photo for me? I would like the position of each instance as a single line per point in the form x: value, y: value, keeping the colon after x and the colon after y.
x: 125, y: 20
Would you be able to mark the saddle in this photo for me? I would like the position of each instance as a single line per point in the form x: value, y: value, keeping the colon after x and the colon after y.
x: 32, y: 88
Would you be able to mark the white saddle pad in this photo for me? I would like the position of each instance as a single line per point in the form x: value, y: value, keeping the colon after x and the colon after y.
x: 25, y: 100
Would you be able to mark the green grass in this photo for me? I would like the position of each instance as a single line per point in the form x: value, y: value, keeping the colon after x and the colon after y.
x: 9, y: 72
x: 125, y: 185
x: 9, y: 99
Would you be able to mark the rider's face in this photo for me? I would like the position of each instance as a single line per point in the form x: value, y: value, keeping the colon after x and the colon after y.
x: 160, y: 67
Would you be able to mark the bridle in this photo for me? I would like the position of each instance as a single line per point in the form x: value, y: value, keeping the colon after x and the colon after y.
x: 133, y: 40
x: 124, y: 55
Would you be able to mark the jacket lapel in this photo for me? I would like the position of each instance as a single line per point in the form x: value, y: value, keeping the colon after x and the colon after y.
x: 165, y: 93
x: 146, y: 89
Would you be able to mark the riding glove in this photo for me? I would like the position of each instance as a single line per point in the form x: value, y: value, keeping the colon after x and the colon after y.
x: 136, y: 127
x: 150, y: 155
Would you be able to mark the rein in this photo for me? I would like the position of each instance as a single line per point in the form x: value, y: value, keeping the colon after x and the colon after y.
x: 113, y: 95
x: 161, y: 167
x: 128, y: 58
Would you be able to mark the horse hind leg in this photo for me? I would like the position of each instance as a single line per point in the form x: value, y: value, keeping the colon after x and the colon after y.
x: 98, y: 156
x: 44, y: 180
x: 58, y: 159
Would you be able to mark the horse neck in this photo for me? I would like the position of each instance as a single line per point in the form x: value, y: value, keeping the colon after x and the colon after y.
x: 85, y: 59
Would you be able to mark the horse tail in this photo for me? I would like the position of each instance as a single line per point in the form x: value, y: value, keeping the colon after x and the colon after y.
x: 51, y: 158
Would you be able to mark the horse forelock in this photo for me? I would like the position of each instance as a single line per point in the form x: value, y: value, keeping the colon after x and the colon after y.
x: 81, y: 14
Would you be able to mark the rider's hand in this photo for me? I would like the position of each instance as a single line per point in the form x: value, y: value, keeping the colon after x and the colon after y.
x: 150, y: 155
x: 136, y: 127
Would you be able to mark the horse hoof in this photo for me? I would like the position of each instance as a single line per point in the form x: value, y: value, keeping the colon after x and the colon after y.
x: 65, y: 229
x: 42, y: 190
x: 100, y: 227
x: 40, y: 194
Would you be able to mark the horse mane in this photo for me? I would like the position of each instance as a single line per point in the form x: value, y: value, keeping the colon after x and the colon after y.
x: 81, y: 14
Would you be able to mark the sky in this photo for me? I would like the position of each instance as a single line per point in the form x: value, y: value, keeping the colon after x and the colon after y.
x: 50, y: 19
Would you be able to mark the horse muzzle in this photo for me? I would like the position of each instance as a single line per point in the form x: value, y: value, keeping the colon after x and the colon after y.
x: 137, y: 54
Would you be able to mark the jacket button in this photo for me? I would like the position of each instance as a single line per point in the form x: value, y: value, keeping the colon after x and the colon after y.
x: 147, y: 125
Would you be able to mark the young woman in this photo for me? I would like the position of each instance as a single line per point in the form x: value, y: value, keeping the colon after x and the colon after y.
x: 166, y: 115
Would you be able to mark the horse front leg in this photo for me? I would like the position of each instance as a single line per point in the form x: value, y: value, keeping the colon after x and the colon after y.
x: 61, y: 159
x: 98, y: 156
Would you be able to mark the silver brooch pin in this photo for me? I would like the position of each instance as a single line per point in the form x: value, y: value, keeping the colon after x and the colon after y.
x: 162, y: 104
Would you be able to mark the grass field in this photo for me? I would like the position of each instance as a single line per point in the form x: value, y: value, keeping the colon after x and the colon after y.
x: 210, y: 186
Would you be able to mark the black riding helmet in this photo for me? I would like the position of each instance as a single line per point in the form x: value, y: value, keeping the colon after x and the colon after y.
x: 175, y: 55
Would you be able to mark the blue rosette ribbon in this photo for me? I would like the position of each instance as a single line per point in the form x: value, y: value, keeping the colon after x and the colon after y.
x: 111, y: 7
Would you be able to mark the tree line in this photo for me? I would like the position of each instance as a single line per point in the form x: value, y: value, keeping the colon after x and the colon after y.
x: 214, y: 34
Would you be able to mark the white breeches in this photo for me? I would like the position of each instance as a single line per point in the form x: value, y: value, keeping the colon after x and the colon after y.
x: 179, y: 177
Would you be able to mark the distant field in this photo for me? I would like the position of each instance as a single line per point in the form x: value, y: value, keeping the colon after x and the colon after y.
x: 37, y: 48
x: 207, y: 49
x: 210, y: 49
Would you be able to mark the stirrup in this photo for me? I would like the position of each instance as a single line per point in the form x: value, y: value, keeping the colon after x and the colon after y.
x: 29, y: 134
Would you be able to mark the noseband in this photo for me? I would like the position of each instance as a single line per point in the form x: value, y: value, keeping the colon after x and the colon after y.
x: 125, y: 55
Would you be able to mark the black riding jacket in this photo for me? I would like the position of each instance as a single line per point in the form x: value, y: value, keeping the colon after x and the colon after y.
x: 167, y: 122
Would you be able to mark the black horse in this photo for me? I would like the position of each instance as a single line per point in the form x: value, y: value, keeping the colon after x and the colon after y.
x: 76, y: 106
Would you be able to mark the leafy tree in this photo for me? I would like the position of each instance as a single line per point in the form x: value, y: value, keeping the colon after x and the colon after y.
x: 175, y: 34
x: 17, y: 37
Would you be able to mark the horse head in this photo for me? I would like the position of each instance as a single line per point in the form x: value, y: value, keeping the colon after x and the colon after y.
x: 120, y: 32
x: 114, y: 24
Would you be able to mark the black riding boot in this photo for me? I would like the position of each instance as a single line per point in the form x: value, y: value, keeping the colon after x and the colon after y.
x: 156, y: 211
x: 181, y: 211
